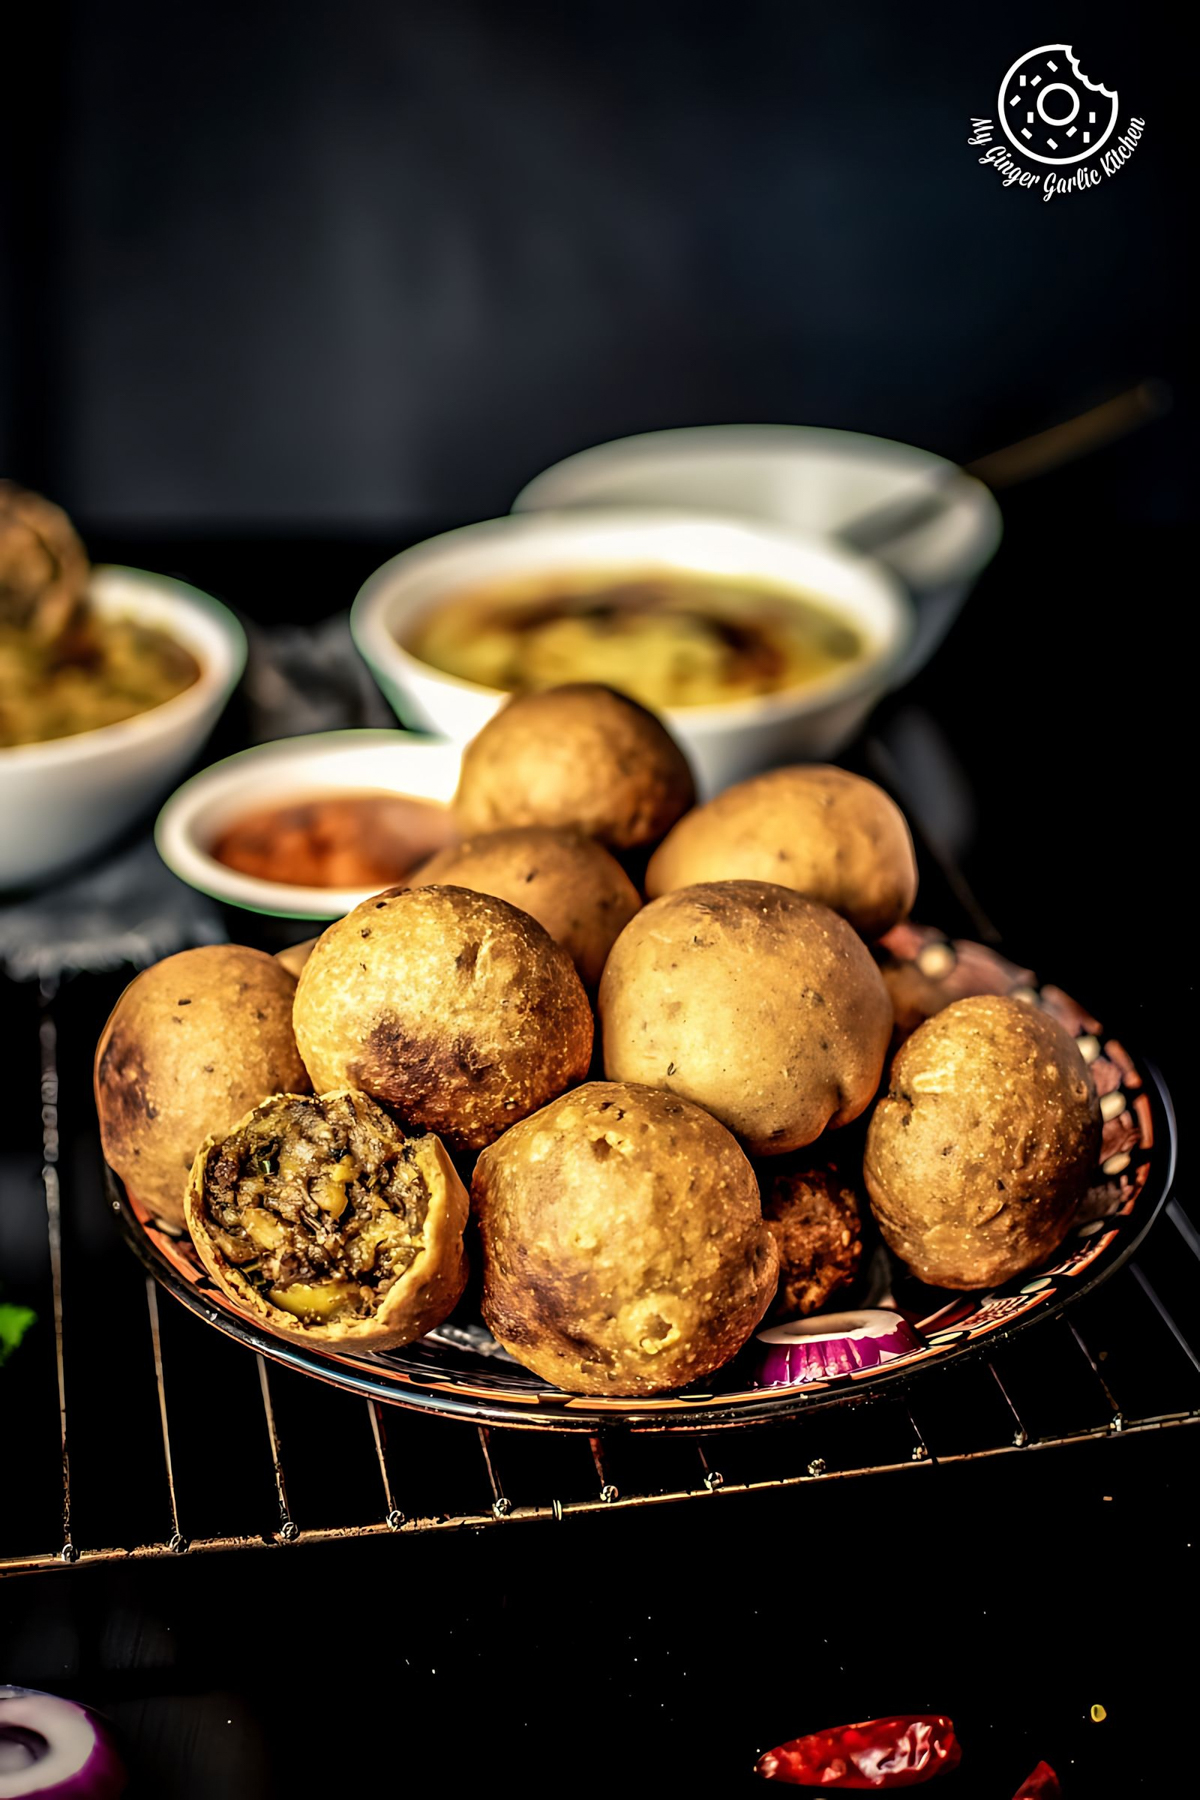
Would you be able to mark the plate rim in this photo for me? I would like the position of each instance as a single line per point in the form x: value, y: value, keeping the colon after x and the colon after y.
x: 707, y: 1414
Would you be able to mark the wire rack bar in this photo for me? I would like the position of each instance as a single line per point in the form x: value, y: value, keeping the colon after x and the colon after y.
x: 608, y: 1489
x: 178, y: 1542
x: 394, y: 1517
x: 502, y: 1506
x: 1020, y: 1429
x: 48, y: 1088
x: 710, y: 1479
x: 920, y: 1449
x: 289, y: 1531
x: 528, y: 1514
x: 1151, y: 1293
x: 1184, y: 1227
x: 1117, y: 1421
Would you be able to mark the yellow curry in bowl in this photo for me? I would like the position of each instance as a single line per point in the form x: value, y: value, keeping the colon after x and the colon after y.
x: 669, y: 638
x: 106, y: 669
x: 66, y: 667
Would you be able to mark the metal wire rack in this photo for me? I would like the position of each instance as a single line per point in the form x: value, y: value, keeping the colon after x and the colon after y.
x: 169, y: 1440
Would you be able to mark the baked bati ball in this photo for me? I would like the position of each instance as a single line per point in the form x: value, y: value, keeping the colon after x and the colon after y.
x: 453, y: 1009
x: 324, y: 1222
x: 756, y: 1003
x: 814, y: 1216
x: 44, y: 568
x: 830, y: 835
x: 567, y: 882
x: 579, y: 757
x: 624, y: 1249
x: 984, y: 1145
x: 188, y: 1047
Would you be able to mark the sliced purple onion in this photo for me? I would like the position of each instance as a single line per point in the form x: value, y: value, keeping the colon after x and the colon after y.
x: 829, y: 1345
x: 51, y: 1749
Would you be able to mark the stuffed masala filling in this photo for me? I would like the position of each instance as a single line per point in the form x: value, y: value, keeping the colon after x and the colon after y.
x: 319, y: 1203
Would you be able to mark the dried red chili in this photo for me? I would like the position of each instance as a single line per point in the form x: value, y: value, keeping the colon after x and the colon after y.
x: 882, y: 1753
x: 1041, y: 1785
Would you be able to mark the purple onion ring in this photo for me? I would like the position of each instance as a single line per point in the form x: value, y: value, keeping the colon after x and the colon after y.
x: 51, y: 1749
x: 833, y: 1344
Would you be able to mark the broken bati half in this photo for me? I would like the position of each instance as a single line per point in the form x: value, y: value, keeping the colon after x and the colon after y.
x: 322, y: 1220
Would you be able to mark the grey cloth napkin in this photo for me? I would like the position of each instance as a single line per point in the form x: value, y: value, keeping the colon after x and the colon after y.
x: 303, y: 679
x: 129, y: 911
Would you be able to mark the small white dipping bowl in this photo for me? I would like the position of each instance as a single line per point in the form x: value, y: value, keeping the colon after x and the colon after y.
x: 301, y: 768
x: 802, y: 478
x: 61, y: 801
x: 725, y: 741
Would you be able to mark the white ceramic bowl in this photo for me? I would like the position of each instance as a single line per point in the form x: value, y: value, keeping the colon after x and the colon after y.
x: 61, y: 801
x: 328, y: 762
x: 724, y: 741
x: 805, y: 479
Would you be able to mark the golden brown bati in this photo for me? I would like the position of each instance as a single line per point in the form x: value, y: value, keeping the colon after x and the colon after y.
x: 579, y: 757
x: 324, y: 1222
x: 984, y: 1144
x: 624, y: 1249
x: 830, y: 835
x: 295, y: 956
x: 814, y: 1217
x: 567, y: 882
x: 190, y: 1045
x: 454, y: 1009
x: 756, y: 1003
x: 44, y: 568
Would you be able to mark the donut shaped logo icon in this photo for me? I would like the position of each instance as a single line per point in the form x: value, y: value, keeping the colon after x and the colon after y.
x: 1050, y: 111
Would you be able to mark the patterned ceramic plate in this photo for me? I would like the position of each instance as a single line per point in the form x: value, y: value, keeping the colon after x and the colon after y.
x: 462, y: 1371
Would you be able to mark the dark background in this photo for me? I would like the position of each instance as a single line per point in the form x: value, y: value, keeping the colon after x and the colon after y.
x: 283, y: 288
x: 366, y: 266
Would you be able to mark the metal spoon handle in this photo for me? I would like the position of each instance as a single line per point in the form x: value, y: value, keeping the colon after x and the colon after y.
x: 872, y: 531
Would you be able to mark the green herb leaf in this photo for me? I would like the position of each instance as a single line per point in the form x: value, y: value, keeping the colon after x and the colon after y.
x: 14, y: 1323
